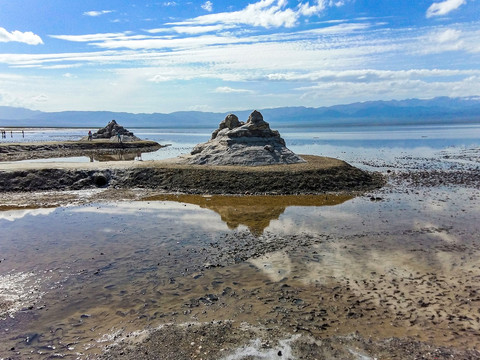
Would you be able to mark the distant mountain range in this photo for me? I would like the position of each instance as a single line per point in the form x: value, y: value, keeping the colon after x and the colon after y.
x: 441, y: 110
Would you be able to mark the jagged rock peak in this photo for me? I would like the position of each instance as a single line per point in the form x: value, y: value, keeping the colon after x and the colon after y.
x: 237, y: 143
x: 231, y: 122
x: 256, y: 118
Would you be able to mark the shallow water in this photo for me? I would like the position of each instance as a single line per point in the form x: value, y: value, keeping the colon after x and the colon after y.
x: 75, y: 278
x: 366, y: 147
x: 80, y: 277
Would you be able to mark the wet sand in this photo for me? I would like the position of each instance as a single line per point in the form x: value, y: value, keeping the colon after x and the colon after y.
x: 393, y: 273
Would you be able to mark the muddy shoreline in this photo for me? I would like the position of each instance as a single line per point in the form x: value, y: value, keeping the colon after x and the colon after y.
x: 61, y: 149
x: 318, y: 175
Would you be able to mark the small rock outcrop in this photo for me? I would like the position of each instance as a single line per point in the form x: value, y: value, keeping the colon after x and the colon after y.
x: 111, y: 132
x: 237, y: 143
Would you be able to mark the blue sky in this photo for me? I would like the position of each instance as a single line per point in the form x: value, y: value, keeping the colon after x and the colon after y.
x: 165, y: 56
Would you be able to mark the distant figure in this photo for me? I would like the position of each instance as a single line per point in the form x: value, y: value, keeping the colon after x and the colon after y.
x: 90, y: 135
x: 119, y: 137
x: 23, y: 134
x: 11, y: 133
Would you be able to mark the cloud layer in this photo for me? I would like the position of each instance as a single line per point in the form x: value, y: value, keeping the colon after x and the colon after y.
x: 263, y: 54
x: 264, y: 13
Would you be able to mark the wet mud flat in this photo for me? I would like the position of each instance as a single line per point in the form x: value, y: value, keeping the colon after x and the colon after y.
x: 391, y: 273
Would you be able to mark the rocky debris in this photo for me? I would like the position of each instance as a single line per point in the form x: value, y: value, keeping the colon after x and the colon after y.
x: 111, y: 131
x: 237, y: 143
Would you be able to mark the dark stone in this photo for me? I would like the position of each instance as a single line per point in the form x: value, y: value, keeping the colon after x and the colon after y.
x: 100, y: 180
x: 112, y: 130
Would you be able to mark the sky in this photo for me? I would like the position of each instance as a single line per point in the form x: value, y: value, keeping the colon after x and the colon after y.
x: 179, y: 55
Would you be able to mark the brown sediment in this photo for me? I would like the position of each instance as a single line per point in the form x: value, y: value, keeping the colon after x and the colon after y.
x: 317, y: 175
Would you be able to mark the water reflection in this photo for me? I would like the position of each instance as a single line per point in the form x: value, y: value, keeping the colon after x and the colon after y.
x: 72, y: 274
x: 123, y: 155
x: 12, y: 213
x: 83, y: 156
x: 254, y: 212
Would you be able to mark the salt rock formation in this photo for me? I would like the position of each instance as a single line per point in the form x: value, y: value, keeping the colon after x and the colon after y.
x: 111, y: 132
x: 237, y: 143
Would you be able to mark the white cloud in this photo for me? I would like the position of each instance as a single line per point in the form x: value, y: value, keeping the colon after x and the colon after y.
x: 447, y: 40
x: 40, y: 98
x: 17, y: 36
x: 307, y: 10
x: 192, y: 30
x: 169, y: 3
x: 159, y: 30
x: 337, y: 91
x: 97, y: 13
x: 339, y: 29
x: 265, y: 13
x: 170, y: 41
x: 369, y: 75
x: 444, y: 7
x: 448, y: 35
x: 207, y: 6
x: 229, y: 90
x: 94, y: 37
x: 10, y: 77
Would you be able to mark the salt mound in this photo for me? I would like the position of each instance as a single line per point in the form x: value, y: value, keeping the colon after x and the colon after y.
x: 237, y: 143
x: 111, y: 132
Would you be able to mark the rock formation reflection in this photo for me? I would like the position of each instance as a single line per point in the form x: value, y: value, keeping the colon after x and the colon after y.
x: 255, y: 212
x: 122, y: 155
